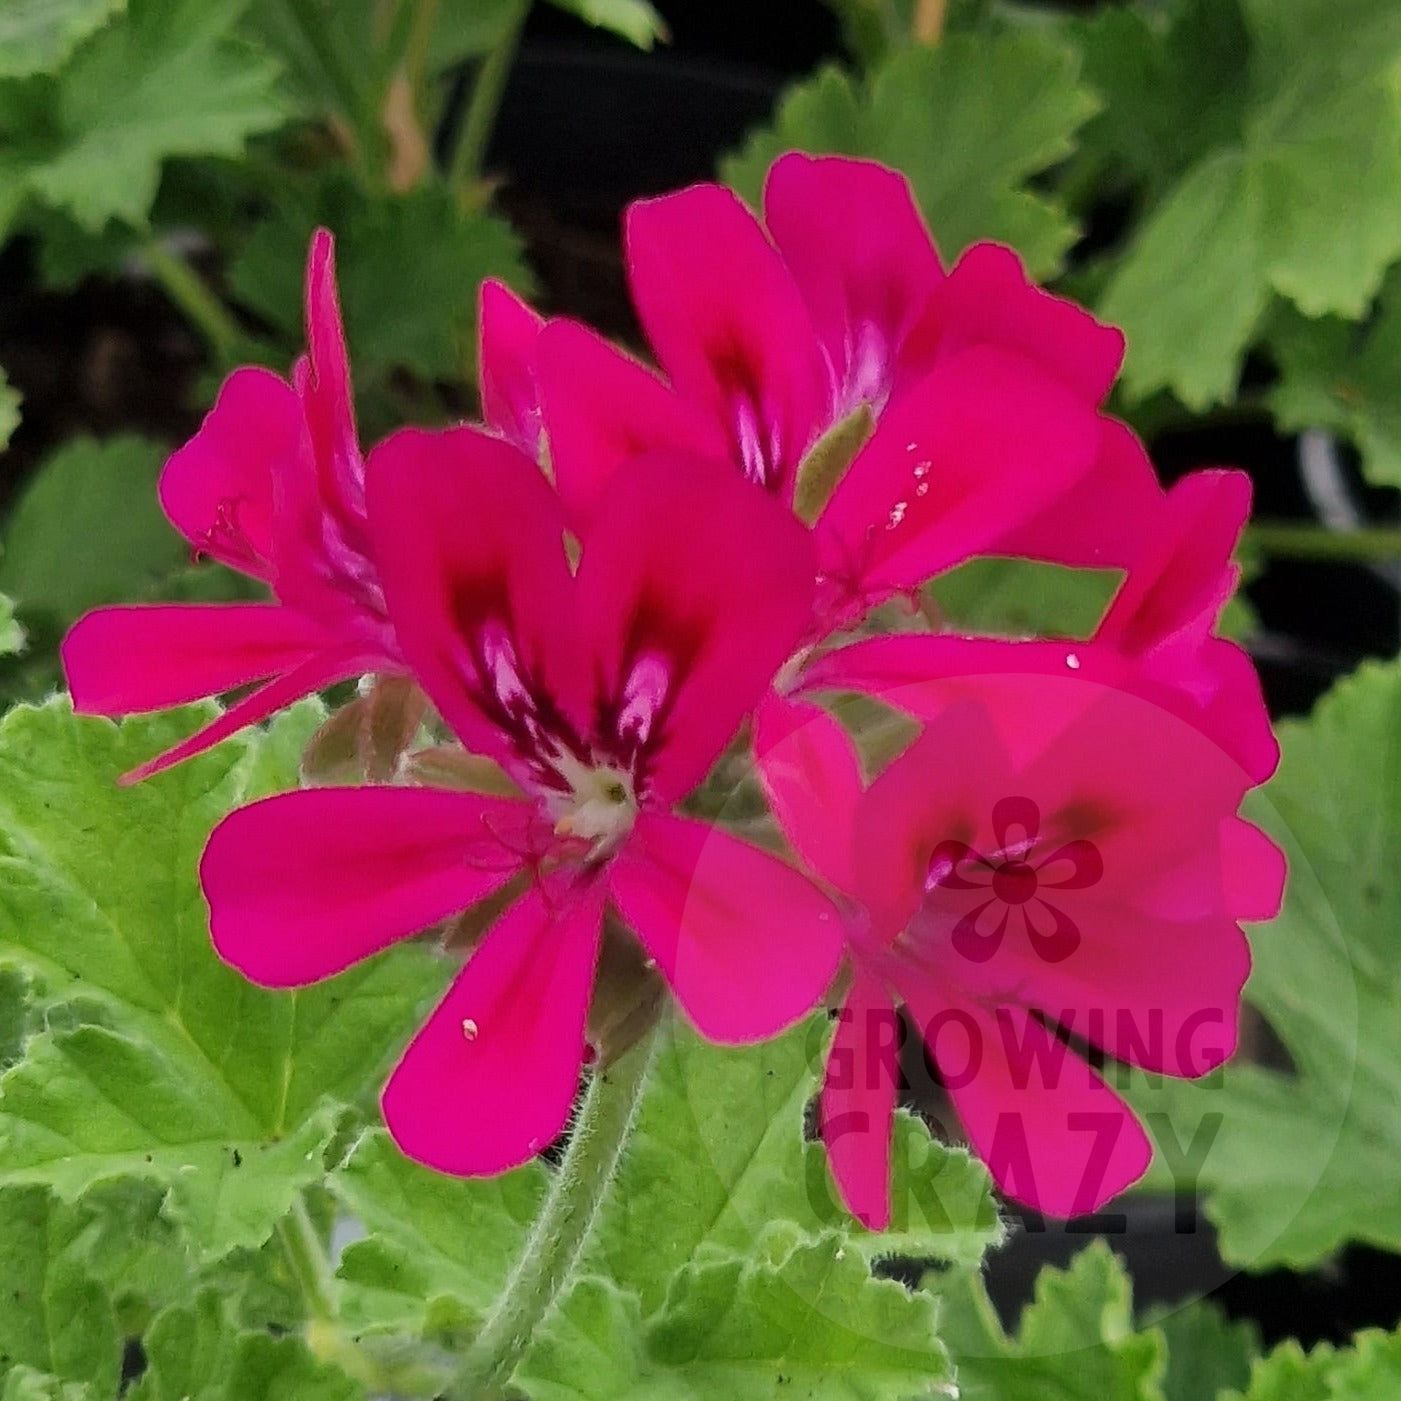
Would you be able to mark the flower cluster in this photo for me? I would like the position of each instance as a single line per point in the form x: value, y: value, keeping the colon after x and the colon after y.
x: 626, y: 577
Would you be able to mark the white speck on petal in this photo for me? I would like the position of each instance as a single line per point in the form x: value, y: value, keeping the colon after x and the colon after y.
x: 1072, y: 661
x: 897, y: 514
x: 469, y: 1028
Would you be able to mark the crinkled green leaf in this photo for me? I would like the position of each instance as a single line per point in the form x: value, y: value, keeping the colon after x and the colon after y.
x: 699, y: 1175
x: 807, y: 1321
x: 25, y: 1384
x: 1368, y: 1370
x: 225, y: 1093
x: 1304, y: 202
x: 9, y: 411
x: 1347, y: 378
x: 87, y: 529
x: 437, y: 1249
x: 409, y: 268
x: 166, y: 80
x: 36, y: 36
x: 12, y: 634
x: 1206, y: 1352
x: 1296, y: 1162
x: 637, y: 21
x: 15, y: 1015
x: 197, y: 1352
x: 54, y: 1316
x: 1076, y: 1340
x: 1168, y: 77
x: 971, y: 123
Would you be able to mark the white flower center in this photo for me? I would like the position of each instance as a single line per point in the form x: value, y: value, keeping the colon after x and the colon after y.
x: 600, y: 807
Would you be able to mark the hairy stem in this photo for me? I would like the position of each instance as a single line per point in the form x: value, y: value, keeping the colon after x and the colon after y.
x: 1302, y: 541
x: 488, y: 88
x: 561, y: 1230
x: 191, y: 294
x: 306, y: 1259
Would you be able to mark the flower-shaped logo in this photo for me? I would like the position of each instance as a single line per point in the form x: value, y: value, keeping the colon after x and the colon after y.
x: 1016, y: 877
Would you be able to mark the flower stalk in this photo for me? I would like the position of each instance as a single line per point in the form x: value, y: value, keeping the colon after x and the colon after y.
x: 561, y: 1230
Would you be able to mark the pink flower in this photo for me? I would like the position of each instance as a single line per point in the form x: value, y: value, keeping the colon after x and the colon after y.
x: 606, y: 695
x: 1050, y: 853
x: 987, y: 389
x: 272, y: 485
x: 1155, y: 640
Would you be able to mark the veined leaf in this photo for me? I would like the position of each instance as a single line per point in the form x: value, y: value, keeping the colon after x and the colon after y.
x: 970, y: 122
x: 805, y: 1318
x: 1294, y: 1162
x: 224, y: 1093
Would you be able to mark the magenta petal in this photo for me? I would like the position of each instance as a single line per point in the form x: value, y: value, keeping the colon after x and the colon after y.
x: 1184, y: 574
x: 859, y: 1092
x: 1154, y: 992
x: 325, y: 385
x: 955, y: 771
x: 218, y: 489
x: 811, y: 774
x: 302, y: 885
x: 469, y: 540
x: 604, y: 409
x: 983, y: 441
x: 1253, y: 870
x: 859, y: 252
x: 508, y: 332
x: 122, y: 660
x: 1052, y: 1133
x: 323, y: 669
x: 1105, y: 519
x: 693, y: 590
x: 988, y: 299
x: 747, y: 943
x: 489, y: 1080
x: 729, y: 326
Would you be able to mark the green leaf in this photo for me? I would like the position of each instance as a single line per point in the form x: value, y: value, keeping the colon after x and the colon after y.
x: 9, y: 411
x: 198, y: 1353
x: 438, y: 1249
x: 1369, y: 1370
x: 16, y: 1021
x: 1168, y: 79
x: 12, y: 634
x: 1206, y: 1352
x: 1295, y: 1162
x: 971, y: 123
x: 56, y: 1318
x: 466, y: 28
x: 634, y: 20
x: 37, y: 36
x: 1022, y: 598
x: 699, y: 1177
x: 25, y: 1384
x: 167, y: 80
x: 223, y: 1093
x: 1336, y: 375
x: 88, y: 492
x: 1076, y: 1340
x: 806, y: 1319
x: 409, y: 268
x: 1304, y: 201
